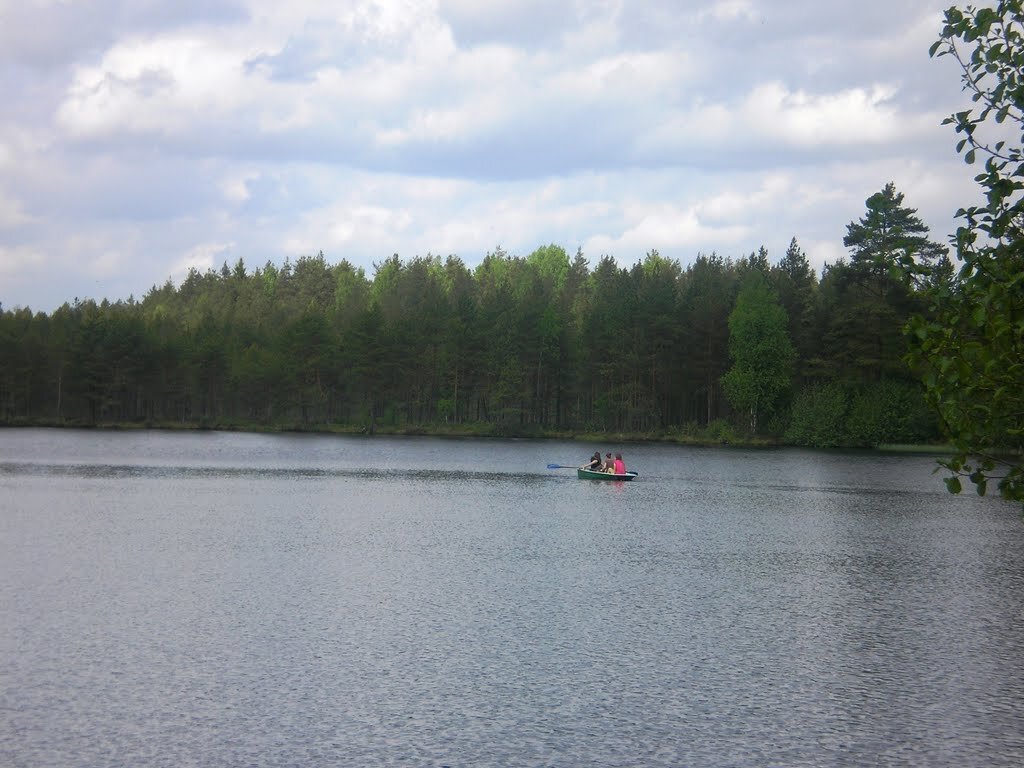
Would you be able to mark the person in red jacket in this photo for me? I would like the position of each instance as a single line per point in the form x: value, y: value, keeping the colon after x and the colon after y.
x: 620, y: 465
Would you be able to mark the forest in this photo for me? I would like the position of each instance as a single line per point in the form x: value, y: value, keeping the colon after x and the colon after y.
x: 890, y: 344
x: 543, y: 344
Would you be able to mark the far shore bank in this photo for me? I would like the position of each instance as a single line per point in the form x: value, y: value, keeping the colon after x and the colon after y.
x: 718, y: 438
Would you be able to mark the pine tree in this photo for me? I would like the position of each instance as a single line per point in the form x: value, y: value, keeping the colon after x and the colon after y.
x: 888, y: 236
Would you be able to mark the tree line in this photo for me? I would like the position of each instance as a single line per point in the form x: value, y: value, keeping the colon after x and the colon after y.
x: 519, y: 345
x: 542, y: 343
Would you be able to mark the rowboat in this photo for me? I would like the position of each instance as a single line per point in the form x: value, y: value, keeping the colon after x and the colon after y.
x: 589, y: 474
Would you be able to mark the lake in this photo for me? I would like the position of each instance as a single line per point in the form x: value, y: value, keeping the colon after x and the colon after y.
x: 222, y: 599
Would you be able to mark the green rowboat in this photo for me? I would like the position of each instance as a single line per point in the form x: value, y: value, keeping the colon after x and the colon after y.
x: 589, y: 474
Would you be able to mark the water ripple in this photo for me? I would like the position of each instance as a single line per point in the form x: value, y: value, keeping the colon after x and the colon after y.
x: 239, y: 600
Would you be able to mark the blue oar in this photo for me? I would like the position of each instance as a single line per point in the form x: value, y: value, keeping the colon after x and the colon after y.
x: 560, y: 466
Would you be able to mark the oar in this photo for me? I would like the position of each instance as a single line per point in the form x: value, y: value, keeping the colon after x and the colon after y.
x: 561, y: 466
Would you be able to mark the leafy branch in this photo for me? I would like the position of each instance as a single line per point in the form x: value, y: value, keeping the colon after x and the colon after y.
x: 970, y: 351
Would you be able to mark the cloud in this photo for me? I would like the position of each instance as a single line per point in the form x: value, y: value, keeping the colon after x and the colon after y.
x: 141, y: 138
x: 160, y: 87
x: 12, y: 213
x: 200, y: 257
x: 16, y: 260
x: 302, y: 43
x: 529, y: 24
x: 432, y: 109
x: 858, y: 115
x: 729, y: 11
x: 46, y: 35
x: 772, y: 125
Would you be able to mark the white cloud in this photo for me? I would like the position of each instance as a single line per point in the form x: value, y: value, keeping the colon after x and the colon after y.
x: 729, y: 10
x: 777, y: 121
x: 106, y: 262
x: 823, y: 252
x: 334, y: 228
x: 160, y: 86
x: 525, y: 22
x: 624, y: 81
x: 857, y: 115
x: 739, y: 203
x: 665, y: 227
x: 142, y: 139
x: 16, y: 260
x: 236, y: 189
x: 200, y: 257
x: 12, y: 213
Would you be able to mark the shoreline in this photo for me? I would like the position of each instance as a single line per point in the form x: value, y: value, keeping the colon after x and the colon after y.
x: 482, y: 431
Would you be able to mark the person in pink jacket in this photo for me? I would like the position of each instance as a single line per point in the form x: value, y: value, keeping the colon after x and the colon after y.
x: 620, y: 465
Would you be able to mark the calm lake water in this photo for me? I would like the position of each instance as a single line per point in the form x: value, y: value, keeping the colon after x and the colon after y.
x: 214, y: 599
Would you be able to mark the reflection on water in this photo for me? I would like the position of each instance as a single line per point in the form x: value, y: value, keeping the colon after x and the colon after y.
x: 187, y: 472
x: 212, y: 599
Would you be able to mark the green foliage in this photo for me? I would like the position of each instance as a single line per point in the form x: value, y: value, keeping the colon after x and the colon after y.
x: 541, y: 344
x: 889, y: 236
x: 760, y: 348
x: 708, y: 294
x: 969, y: 345
x: 871, y: 294
x: 552, y: 265
x: 818, y: 416
x: 889, y: 412
x: 797, y: 287
x: 844, y: 415
x: 721, y: 431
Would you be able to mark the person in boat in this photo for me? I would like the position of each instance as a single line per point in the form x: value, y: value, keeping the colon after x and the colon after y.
x: 619, y: 465
x: 609, y: 463
x: 595, y: 464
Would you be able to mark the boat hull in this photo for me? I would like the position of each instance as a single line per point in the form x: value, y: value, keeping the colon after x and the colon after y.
x: 588, y: 474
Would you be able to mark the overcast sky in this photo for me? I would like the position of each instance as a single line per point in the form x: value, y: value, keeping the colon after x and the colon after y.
x: 139, y: 138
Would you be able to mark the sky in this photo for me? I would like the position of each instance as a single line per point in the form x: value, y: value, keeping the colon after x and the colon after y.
x: 142, y: 138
